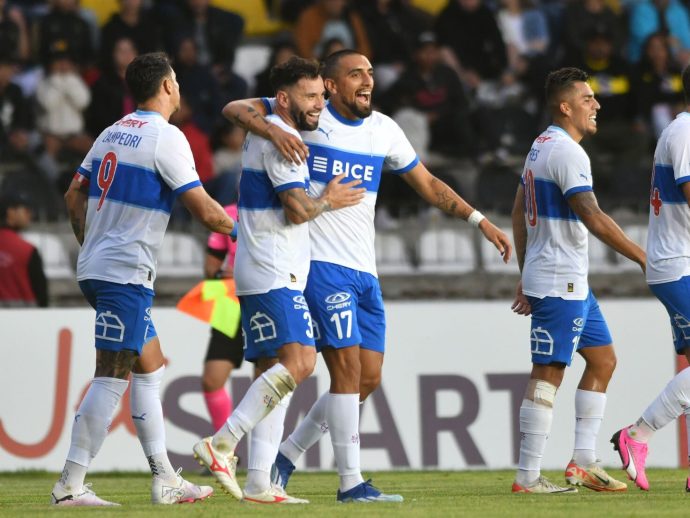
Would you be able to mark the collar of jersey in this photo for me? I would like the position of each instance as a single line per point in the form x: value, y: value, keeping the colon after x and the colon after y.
x: 144, y: 112
x: 342, y: 119
x: 558, y: 128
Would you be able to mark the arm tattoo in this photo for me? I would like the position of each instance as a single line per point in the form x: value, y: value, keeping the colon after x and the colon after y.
x: 304, y: 205
x: 444, y: 199
x: 251, y: 123
x: 115, y: 364
x: 584, y: 204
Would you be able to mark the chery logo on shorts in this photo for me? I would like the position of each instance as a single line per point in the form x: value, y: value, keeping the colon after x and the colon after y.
x: 300, y: 302
x: 338, y: 300
x: 578, y: 323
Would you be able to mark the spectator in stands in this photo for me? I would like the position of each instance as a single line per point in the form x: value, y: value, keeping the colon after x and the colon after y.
x: 669, y: 16
x: 331, y: 46
x: 198, y: 85
x: 526, y: 35
x: 15, y: 112
x: 659, y: 86
x: 584, y: 17
x: 110, y: 97
x: 472, y: 43
x: 393, y: 27
x: 198, y: 140
x: 328, y: 19
x: 132, y: 21
x: 281, y: 51
x: 62, y: 97
x: 227, y: 163
x: 433, y: 89
x: 14, y: 35
x: 22, y: 280
x: 216, y: 32
x: 62, y: 30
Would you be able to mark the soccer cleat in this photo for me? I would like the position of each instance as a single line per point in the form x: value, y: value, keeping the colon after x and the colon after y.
x: 273, y: 495
x: 543, y: 486
x: 281, y: 470
x: 221, y: 466
x: 592, y: 477
x: 365, y: 493
x: 84, y: 497
x: 180, y: 493
x: 633, y: 455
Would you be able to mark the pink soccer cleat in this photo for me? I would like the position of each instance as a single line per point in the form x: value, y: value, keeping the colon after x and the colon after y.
x: 633, y: 456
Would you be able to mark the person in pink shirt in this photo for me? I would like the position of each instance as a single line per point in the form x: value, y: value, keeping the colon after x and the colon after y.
x: 224, y: 353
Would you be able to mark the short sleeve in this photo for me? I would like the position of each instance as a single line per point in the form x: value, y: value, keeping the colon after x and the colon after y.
x: 174, y: 161
x: 401, y: 156
x: 571, y: 170
x: 284, y: 175
x: 85, y: 169
x: 269, y: 104
x: 679, y: 150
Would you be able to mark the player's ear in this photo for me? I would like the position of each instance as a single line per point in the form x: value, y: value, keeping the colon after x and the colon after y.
x: 282, y: 98
x: 167, y: 85
x: 330, y: 85
x: 564, y: 108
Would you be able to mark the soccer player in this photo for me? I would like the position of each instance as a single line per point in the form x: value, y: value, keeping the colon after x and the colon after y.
x: 554, y: 208
x: 343, y: 291
x: 271, y: 268
x: 224, y: 353
x: 668, y: 271
x: 119, y: 204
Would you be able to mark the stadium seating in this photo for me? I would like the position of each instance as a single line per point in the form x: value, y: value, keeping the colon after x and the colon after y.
x: 637, y: 233
x: 601, y: 258
x: 391, y: 255
x: 444, y: 251
x: 492, y: 261
x: 56, y: 261
x: 181, y: 255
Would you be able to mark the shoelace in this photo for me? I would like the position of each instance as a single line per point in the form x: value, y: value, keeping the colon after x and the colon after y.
x: 86, y: 488
x: 547, y: 484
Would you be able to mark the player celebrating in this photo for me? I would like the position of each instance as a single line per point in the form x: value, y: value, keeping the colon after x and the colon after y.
x: 668, y: 271
x: 554, y: 208
x: 119, y: 204
x: 271, y: 268
x: 343, y: 291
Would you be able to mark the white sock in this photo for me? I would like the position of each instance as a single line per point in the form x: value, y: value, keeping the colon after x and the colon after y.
x: 309, y: 431
x: 342, y: 415
x: 147, y: 415
x: 589, y: 412
x: 265, y: 439
x: 263, y: 395
x: 535, y: 425
x: 90, y: 427
x: 669, y: 404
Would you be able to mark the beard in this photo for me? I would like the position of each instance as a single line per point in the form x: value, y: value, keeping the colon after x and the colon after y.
x: 301, y: 121
x: 357, y: 110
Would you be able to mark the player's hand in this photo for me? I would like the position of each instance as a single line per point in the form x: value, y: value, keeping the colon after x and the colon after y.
x: 521, y: 305
x: 498, y: 238
x: 290, y: 146
x: 340, y: 194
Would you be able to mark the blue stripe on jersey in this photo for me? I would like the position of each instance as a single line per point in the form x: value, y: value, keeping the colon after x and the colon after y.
x: 84, y: 172
x: 551, y: 202
x: 135, y: 186
x: 326, y: 162
x: 409, y: 166
x: 575, y: 190
x: 267, y: 105
x: 664, y: 180
x: 256, y: 191
x: 340, y: 118
x: 187, y: 186
x: 291, y: 185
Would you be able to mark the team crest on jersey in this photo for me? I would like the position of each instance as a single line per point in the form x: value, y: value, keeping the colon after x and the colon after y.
x: 109, y: 327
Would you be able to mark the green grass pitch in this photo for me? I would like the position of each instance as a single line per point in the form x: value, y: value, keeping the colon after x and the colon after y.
x: 427, y: 494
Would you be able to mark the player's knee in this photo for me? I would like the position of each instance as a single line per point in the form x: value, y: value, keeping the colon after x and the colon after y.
x: 211, y: 383
x: 305, y: 365
x: 367, y: 385
x: 541, y: 392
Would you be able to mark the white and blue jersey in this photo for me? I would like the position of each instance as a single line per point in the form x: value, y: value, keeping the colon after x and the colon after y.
x: 272, y: 253
x: 361, y: 149
x: 668, y: 238
x: 135, y: 169
x: 556, y: 261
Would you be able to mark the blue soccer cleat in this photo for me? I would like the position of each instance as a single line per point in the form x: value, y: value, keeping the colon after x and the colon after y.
x: 281, y: 470
x: 366, y: 493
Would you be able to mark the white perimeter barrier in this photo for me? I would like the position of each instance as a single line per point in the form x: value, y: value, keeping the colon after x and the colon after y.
x: 453, y: 380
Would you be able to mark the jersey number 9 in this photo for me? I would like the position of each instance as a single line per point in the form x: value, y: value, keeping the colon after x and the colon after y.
x: 106, y: 175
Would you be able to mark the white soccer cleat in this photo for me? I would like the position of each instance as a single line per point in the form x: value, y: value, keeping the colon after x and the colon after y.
x: 221, y: 466
x: 180, y: 493
x: 543, y: 486
x: 84, y: 497
x: 273, y: 495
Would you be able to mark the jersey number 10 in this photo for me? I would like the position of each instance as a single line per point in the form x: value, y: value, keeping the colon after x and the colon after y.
x: 106, y: 175
x: 530, y: 199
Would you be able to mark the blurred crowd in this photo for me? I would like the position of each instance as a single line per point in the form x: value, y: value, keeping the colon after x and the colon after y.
x: 465, y: 83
